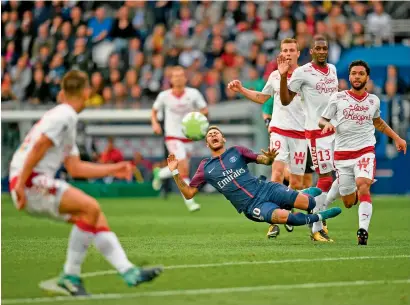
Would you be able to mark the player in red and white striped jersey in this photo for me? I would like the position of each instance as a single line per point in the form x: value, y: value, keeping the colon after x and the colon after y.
x: 175, y: 103
x: 356, y: 115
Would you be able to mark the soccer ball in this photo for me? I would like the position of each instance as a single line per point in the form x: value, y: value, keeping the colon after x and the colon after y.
x: 194, y: 126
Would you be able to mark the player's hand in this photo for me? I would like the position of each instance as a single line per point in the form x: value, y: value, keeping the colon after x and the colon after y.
x: 20, y: 196
x: 283, y: 65
x: 401, y: 145
x: 271, y: 154
x: 124, y: 170
x: 172, y: 162
x: 235, y: 86
x: 328, y: 128
x: 157, y: 128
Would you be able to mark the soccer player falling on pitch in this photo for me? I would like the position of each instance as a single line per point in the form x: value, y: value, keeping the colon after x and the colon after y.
x: 356, y: 114
x: 260, y: 201
x: 316, y: 81
x: 34, y: 189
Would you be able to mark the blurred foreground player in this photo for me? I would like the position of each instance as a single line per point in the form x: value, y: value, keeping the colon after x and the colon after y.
x: 357, y: 115
x: 260, y: 201
x: 49, y: 143
x: 176, y: 103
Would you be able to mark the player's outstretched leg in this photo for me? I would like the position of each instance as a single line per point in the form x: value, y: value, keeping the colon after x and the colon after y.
x: 331, y: 196
x: 109, y: 246
x: 317, y: 232
x: 300, y: 219
x: 84, y: 212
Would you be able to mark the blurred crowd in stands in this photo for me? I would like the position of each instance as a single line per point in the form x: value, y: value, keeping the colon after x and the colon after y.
x: 128, y: 47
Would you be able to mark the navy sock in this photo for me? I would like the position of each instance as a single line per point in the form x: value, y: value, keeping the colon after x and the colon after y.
x: 312, y: 204
x: 299, y: 219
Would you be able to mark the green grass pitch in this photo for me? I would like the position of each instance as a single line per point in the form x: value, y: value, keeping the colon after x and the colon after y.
x: 155, y: 231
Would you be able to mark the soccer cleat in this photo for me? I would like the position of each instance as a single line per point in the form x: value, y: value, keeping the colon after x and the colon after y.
x: 193, y: 207
x: 312, y: 191
x: 72, y: 284
x: 330, y: 213
x: 325, y: 229
x: 325, y: 236
x: 289, y: 228
x: 136, y: 276
x: 362, y: 237
x: 273, y: 231
x: 156, y: 180
x: 318, y: 237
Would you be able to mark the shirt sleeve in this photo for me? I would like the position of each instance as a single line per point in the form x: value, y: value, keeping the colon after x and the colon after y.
x: 296, y: 81
x: 377, y: 112
x: 331, y: 108
x: 159, y: 102
x: 248, y: 154
x: 198, y: 180
x: 200, y: 101
x: 54, y: 129
x: 268, y: 89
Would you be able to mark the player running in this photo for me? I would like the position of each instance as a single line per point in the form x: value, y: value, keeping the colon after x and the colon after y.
x: 316, y: 81
x: 287, y: 132
x: 33, y: 188
x: 356, y: 114
x: 260, y: 201
x: 175, y: 103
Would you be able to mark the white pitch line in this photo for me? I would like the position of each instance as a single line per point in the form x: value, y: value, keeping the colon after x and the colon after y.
x: 164, y: 293
x: 286, y: 261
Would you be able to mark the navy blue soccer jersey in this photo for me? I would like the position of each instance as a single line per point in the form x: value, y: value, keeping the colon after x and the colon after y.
x: 230, y: 175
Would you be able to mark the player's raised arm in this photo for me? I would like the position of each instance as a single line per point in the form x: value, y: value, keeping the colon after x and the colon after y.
x: 186, y: 190
x: 286, y: 95
x: 382, y: 126
x: 254, y: 96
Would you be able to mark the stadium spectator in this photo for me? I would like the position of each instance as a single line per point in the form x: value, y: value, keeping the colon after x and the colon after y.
x: 99, y: 26
x: 379, y: 24
x: 6, y: 89
x: 38, y: 90
x: 97, y: 86
x: 111, y: 154
x: 21, y: 77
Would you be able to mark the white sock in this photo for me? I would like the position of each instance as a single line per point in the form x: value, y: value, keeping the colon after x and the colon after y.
x: 332, y: 195
x: 320, y: 202
x: 365, y: 214
x: 109, y: 246
x: 188, y: 201
x: 165, y: 173
x: 78, y: 244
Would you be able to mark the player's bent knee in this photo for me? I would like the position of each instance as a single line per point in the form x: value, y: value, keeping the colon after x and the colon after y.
x: 349, y: 200
x: 280, y: 216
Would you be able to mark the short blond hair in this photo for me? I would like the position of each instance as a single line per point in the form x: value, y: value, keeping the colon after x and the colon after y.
x: 74, y: 82
x: 289, y: 40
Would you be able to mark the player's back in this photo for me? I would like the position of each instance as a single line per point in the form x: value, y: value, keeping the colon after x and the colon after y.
x: 284, y: 118
x: 354, y: 120
x: 59, y: 125
x: 316, y: 86
x: 176, y: 107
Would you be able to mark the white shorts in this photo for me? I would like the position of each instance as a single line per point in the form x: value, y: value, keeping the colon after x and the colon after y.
x: 347, y: 171
x: 181, y: 150
x: 44, y: 197
x: 291, y: 151
x: 321, y: 149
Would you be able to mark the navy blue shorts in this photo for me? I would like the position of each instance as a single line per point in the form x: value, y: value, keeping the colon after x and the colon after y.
x: 270, y: 197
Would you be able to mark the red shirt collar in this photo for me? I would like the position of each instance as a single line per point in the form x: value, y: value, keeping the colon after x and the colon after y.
x: 356, y: 96
x: 324, y: 70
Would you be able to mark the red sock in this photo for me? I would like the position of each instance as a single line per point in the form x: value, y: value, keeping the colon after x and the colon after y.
x: 365, y: 198
x: 325, y: 183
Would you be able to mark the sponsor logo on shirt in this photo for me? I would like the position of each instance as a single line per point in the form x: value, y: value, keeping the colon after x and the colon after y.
x: 326, y: 85
x: 229, y: 176
x: 357, y: 113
